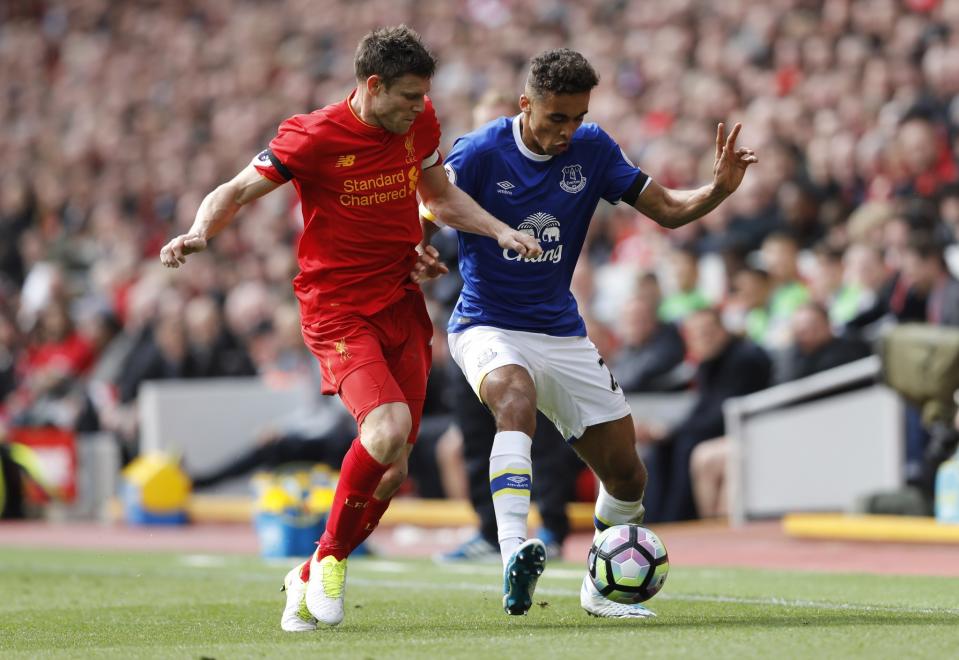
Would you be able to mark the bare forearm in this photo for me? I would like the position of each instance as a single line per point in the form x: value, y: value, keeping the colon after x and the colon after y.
x: 685, y: 206
x: 430, y: 228
x: 458, y: 210
x: 220, y: 206
x: 216, y: 211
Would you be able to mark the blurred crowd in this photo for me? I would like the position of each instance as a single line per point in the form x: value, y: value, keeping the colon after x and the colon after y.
x: 118, y: 117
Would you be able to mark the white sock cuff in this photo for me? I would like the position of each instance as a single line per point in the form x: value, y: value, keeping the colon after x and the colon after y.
x: 620, y: 506
x: 512, y: 443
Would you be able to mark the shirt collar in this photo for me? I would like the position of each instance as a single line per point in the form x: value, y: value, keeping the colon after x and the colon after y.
x: 523, y: 149
x: 357, y: 121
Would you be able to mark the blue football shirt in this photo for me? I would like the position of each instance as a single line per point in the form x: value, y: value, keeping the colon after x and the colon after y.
x: 550, y: 197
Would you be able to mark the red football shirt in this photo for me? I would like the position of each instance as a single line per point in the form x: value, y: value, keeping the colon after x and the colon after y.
x: 357, y: 186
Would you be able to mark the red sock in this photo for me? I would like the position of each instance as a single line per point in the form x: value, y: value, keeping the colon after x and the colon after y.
x: 374, y: 512
x: 359, y: 477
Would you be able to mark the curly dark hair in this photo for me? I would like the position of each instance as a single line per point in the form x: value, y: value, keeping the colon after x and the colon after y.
x: 391, y: 53
x: 561, y: 71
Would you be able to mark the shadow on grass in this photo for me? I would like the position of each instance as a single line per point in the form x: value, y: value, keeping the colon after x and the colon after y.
x: 568, y: 624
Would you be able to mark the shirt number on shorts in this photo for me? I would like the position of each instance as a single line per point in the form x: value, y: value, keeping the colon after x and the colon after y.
x: 613, y: 385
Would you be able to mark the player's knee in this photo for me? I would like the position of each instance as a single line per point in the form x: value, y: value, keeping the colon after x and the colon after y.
x: 385, y: 435
x: 515, y: 410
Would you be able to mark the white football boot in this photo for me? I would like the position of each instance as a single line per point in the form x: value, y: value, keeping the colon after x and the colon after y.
x: 598, y: 605
x: 325, y: 589
x: 296, y: 616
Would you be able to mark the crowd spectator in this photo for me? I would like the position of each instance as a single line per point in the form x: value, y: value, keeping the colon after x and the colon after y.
x: 686, y: 296
x: 814, y: 346
x: 727, y: 366
x: 651, y: 350
x: 851, y: 105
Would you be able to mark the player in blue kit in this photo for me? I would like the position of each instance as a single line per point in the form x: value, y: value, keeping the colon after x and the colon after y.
x: 516, y: 331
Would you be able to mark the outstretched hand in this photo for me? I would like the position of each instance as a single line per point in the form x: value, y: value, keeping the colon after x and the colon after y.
x: 731, y: 163
x: 520, y: 242
x: 427, y: 266
x: 175, y: 252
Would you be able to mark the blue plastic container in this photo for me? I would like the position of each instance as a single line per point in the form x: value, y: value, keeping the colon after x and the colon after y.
x: 947, y: 491
x: 288, y: 534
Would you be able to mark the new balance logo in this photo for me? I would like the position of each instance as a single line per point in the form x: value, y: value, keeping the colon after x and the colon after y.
x: 505, y: 187
x: 354, y: 504
x: 346, y: 161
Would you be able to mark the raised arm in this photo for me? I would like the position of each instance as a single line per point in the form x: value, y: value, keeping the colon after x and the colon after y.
x: 216, y: 212
x: 458, y: 210
x: 675, y: 208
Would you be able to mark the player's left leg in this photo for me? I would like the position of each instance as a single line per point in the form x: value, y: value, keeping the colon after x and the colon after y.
x: 583, y: 399
x: 382, y: 496
x: 383, y: 434
x: 610, y: 450
x: 407, y: 332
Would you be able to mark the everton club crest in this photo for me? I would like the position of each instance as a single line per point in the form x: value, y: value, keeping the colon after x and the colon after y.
x: 573, y: 180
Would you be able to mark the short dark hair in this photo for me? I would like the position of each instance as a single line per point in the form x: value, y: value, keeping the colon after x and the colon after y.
x: 925, y: 246
x: 391, y: 53
x: 560, y: 71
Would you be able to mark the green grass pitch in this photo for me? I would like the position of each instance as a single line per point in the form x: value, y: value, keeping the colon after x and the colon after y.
x: 79, y: 604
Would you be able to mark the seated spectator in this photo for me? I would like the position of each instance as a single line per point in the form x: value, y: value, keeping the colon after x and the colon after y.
x: 862, y: 278
x: 815, y: 347
x: 747, y: 310
x: 651, y: 349
x: 213, y: 350
x: 728, y: 367
x: 828, y: 286
x: 51, y: 369
x: 924, y: 267
x: 707, y: 469
x: 780, y: 253
x: 686, y: 296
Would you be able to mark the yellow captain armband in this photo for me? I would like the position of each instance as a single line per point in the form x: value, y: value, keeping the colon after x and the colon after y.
x: 426, y: 214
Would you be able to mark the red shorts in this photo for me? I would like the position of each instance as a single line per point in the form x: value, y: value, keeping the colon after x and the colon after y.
x: 372, y: 360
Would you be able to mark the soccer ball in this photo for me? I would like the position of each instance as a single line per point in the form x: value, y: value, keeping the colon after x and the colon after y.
x: 628, y: 564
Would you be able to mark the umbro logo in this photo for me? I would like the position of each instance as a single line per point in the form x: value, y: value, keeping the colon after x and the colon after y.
x: 505, y: 187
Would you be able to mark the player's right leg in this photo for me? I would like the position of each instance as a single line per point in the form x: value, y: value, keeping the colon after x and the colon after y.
x: 511, y: 396
x: 296, y: 616
x: 495, y: 366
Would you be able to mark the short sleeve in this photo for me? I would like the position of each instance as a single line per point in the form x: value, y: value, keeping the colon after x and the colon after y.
x: 461, y: 166
x: 622, y: 180
x: 431, y: 141
x: 288, y: 155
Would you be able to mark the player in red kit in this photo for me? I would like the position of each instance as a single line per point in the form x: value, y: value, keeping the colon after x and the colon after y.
x: 358, y: 166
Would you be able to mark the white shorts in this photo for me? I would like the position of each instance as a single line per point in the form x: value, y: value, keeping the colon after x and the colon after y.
x: 574, y: 387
